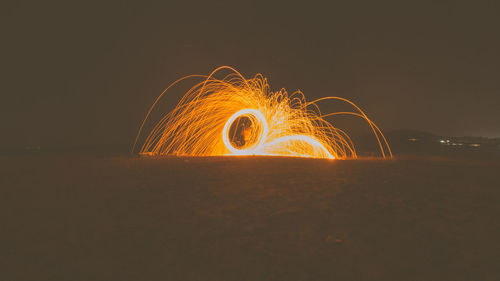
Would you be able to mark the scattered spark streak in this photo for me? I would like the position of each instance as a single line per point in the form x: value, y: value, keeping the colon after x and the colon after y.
x: 238, y: 116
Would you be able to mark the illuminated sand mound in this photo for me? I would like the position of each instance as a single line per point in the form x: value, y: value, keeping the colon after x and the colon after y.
x: 238, y: 116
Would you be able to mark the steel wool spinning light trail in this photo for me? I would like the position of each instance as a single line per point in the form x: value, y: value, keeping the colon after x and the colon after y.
x: 238, y: 116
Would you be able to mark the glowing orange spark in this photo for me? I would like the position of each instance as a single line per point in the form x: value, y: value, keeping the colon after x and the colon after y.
x: 238, y: 116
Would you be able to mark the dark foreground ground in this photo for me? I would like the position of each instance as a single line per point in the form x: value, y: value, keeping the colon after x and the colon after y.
x: 123, y: 218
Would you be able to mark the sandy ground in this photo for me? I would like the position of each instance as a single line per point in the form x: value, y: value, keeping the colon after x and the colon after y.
x: 124, y: 218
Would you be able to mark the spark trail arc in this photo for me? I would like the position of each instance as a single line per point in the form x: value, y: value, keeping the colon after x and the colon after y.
x: 236, y: 116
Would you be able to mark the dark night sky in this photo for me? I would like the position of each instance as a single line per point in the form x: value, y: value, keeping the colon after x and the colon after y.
x: 82, y: 73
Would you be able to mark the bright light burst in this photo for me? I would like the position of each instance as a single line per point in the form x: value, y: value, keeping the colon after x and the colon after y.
x: 238, y: 116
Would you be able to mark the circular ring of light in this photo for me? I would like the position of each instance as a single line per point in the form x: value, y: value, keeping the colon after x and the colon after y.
x: 262, y: 138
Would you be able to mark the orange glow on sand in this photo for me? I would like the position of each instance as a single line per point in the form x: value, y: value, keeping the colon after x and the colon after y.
x: 238, y: 116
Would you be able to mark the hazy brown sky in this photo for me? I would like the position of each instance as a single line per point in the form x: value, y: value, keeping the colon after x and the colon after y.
x: 85, y: 73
